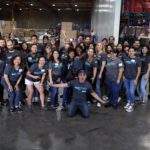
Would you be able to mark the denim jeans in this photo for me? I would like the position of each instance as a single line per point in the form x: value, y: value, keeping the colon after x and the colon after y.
x: 53, y: 95
x: 113, y: 92
x: 130, y: 90
x: 98, y: 86
x: 82, y: 106
x: 13, y: 96
x: 65, y: 94
x: 142, y: 88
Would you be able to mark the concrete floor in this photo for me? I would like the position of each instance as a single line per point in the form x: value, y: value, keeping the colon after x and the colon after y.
x: 106, y: 129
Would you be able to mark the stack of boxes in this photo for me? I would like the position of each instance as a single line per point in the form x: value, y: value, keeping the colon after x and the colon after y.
x: 66, y: 32
x: 9, y: 27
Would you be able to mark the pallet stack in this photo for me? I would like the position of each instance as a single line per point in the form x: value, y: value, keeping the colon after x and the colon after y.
x: 67, y: 32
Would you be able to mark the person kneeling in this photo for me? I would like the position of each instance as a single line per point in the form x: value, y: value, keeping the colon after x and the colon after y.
x: 81, y: 88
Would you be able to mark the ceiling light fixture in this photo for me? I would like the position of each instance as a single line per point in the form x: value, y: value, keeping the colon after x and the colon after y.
x: 77, y: 10
x: 53, y: 5
x: 31, y: 4
x: 40, y: 9
x: 20, y: 9
x: 58, y: 9
x: 7, y: 4
x: 76, y: 5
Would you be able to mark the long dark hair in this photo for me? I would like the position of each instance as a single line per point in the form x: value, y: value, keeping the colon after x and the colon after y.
x: 59, y: 58
x: 14, y: 57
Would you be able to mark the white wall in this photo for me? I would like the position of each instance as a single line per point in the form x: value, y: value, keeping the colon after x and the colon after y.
x: 106, y: 18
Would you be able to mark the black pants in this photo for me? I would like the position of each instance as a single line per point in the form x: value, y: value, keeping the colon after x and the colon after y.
x: 1, y: 93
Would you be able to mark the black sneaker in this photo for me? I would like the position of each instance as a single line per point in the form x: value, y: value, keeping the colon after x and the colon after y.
x: 18, y: 109
x: 11, y: 110
x: 44, y: 108
x: 30, y: 109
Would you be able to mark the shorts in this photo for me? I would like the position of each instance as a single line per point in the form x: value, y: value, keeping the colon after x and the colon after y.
x: 28, y: 82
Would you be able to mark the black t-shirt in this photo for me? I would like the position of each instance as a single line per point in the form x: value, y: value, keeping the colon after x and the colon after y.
x: 88, y: 67
x: 145, y: 61
x: 36, y: 71
x: 13, y: 74
x: 2, y: 66
x: 122, y: 56
x: 80, y: 90
x: 131, y: 67
x: 9, y: 55
x: 57, y: 70
x: 100, y: 58
x: 32, y: 59
x: 112, y: 69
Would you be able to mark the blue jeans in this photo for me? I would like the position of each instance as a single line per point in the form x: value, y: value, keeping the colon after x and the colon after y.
x: 113, y: 92
x: 54, y: 92
x: 130, y: 90
x: 82, y: 106
x: 13, y: 96
x: 142, y: 88
x: 65, y: 94
x: 98, y: 87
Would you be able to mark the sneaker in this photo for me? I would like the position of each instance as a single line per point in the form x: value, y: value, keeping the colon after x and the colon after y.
x: 18, y: 109
x: 43, y: 108
x: 11, y: 110
x: 130, y: 108
x: 98, y: 105
x: 127, y: 105
x: 30, y: 109
x: 48, y: 99
x: 119, y: 99
x: 105, y: 98
x: 143, y: 103
x: 53, y: 107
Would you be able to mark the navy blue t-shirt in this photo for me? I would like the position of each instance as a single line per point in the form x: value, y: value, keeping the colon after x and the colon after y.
x: 112, y: 69
x: 100, y: 58
x: 88, y: 67
x: 13, y: 74
x: 145, y: 62
x: 32, y: 59
x: 131, y: 67
x: 80, y: 90
x: 36, y: 71
x: 9, y: 55
x: 2, y: 66
x: 57, y: 70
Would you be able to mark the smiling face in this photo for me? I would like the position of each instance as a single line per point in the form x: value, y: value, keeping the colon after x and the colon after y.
x: 82, y: 77
x: 90, y: 52
x: 55, y: 55
x: 42, y: 61
x: 131, y: 52
x: 17, y: 61
x: 34, y: 49
x: 10, y: 45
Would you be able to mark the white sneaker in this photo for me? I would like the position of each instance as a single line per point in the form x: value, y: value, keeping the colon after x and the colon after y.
x: 127, y: 105
x: 119, y: 99
x: 130, y: 108
x: 98, y: 105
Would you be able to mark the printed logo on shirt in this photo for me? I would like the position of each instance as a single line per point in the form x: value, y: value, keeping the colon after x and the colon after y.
x: 120, y: 65
x: 20, y: 70
x: 43, y: 70
x: 9, y: 57
x: 82, y: 89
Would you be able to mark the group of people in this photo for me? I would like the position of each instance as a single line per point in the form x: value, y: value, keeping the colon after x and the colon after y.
x: 88, y: 72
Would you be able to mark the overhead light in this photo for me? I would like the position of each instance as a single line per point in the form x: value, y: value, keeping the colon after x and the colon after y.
x: 76, y: 5
x: 20, y: 9
x: 31, y: 4
x: 7, y: 4
x: 59, y: 9
x: 77, y: 10
x: 0, y: 9
x: 53, y: 5
x: 40, y: 9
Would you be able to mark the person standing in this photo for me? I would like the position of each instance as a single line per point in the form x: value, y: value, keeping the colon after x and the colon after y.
x: 132, y: 72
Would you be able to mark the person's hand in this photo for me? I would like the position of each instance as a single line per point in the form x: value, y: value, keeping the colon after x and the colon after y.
x: 135, y: 82
x: 146, y: 77
x: 50, y: 83
x: 104, y: 102
x: 17, y: 87
x: 10, y: 88
x: 93, y: 79
x: 58, y: 80
x: 118, y: 81
x: 36, y: 77
x: 100, y: 76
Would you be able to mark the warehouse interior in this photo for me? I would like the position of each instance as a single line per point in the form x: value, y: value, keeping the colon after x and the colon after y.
x: 64, y: 21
